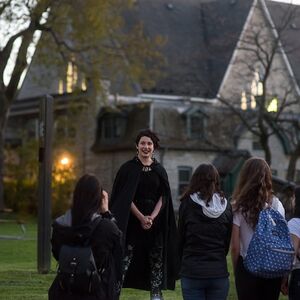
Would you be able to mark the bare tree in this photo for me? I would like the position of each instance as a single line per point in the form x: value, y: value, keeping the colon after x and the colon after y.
x: 89, y: 33
x: 271, y: 93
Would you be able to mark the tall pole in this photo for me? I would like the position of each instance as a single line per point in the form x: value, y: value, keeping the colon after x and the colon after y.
x: 44, y: 184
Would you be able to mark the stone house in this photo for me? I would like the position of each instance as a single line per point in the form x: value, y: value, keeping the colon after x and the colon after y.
x: 203, y: 53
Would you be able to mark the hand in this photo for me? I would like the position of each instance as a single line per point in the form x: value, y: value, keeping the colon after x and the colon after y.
x: 104, y: 206
x: 146, y: 222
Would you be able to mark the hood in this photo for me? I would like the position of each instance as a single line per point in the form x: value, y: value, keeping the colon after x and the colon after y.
x: 63, y: 225
x: 215, y: 208
x: 66, y: 219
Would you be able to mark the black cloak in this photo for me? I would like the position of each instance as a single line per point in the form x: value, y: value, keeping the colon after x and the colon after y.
x: 123, y: 192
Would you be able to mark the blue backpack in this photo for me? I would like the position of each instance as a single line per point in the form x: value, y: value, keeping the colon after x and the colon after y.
x: 270, y: 253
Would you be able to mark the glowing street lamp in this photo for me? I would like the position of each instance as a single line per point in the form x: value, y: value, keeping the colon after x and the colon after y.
x: 65, y: 161
x: 64, y: 167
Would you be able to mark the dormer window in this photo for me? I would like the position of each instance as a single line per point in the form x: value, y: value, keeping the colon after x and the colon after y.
x: 195, y: 122
x: 112, y: 126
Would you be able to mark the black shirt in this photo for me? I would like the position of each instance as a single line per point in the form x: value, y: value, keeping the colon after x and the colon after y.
x: 204, y: 241
x: 148, y: 191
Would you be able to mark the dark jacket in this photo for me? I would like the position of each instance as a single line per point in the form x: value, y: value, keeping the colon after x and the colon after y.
x: 203, y: 241
x: 124, y: 189
x: 107, y: 249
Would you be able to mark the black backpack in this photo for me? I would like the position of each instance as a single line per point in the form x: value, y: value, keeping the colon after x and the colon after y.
x: 77, y: 272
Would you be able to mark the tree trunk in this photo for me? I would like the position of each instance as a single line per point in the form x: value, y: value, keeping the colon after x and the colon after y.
x: 3, y: 119
x: 2, y: 206
x: 266, y: 148
x: 268, y: 156
x: 292, y: 164
x: 292, y: 167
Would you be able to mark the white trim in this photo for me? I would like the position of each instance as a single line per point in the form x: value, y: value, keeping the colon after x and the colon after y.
x: 151, y: 116
x: 235, y: 52
x: 275, y: 33
x: 158, y: 99
x: 176, y: 97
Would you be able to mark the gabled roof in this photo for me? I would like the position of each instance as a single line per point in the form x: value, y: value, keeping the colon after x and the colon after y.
x: 200, y: 39
x: 288, y: 15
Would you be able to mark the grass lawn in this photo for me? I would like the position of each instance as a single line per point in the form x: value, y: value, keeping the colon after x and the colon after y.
x: 19, y: 278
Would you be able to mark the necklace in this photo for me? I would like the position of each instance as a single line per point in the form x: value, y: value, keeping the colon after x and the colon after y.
x: 146, y: 168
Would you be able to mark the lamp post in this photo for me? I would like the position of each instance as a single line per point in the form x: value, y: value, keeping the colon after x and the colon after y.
x: 44, y: 184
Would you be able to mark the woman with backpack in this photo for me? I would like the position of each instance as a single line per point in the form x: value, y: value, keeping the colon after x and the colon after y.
x: 252, y: 194
x: 205, y: 222
x: 88, y: 227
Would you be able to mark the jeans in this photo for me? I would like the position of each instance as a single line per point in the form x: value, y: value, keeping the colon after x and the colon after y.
x: 204, y: 289
x: 294, y: 285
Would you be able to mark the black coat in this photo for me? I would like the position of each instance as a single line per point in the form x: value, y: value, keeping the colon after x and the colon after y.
x: 203, y: 241
x: 124, y: 189
x: 106, y: 244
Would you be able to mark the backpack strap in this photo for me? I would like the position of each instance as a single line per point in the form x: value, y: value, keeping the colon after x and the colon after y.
x: 275, y: 203
x: 94, y: 225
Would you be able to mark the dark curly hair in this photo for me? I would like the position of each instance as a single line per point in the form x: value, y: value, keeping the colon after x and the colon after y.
x: 205, y: 181
x: 253, y: 190
x: 150, y: 134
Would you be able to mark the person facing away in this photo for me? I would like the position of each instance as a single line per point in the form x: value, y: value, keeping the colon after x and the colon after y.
x: 90, y: 202
x: 294, y: 228
x: 252, y: 194
x: 141, y: 202
x: 205, y: 222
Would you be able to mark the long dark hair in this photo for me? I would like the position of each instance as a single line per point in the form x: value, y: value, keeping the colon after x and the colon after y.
x: 150, y: 134
x: 205, y: 181
x: 87, y: 199
x: 297, y: 203
x: 253, y: 190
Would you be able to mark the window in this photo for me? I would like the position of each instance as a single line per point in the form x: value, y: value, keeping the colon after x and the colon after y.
x: 71, y: 77
x: 243, y: 101
x: 64, y: 128
x: 256, y: 145
x: 274, y: 172
x: 60, y: 86
x: 196, y: 121
x: 257, y: 88
x: 184, y: 176
x: 273, y: 105
x: 113, y: 127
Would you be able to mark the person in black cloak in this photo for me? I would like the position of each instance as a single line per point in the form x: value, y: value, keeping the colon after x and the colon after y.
x: 90, y: 203
x: 142, y: 205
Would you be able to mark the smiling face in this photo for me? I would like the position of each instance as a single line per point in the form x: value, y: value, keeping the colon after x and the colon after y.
x: 145, y: 148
